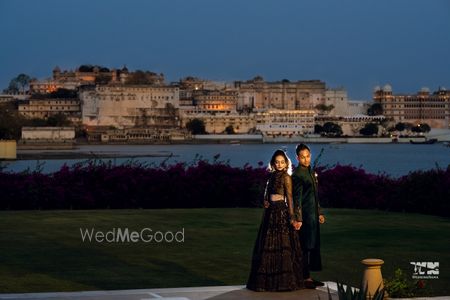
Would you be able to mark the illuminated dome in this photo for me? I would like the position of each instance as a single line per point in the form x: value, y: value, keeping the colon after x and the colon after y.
x: 387, y: 88
x: 425, y: 90
x: 377, y: 88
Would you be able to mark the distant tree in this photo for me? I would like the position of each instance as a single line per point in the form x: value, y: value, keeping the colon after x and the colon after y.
x: 385, y: 127
x: 408, y: 126
x: 391, y: 129
x: 190, y: 78
x: 80, y: 131
x: 318, y: 129
x: 58, y: 120
x: 375, y: 109
x: 196, y: 126
x: 141, y: 77
x: 64, y: 93
x: 11, y: 122
x: 421, y: 128
x: 384, y: 123
x: 369, y: 129
x: 103, y: 78
x: 400, y: 126
x: 23, y: 81
x: 229, y: 129
x: 333, y: 129
x: 425, y: 127
x: 86, y: 68
x: 19, y: 83
x: 90, y: 68
x: 324, y: 108
x: 36, y: 122
x: 285, y: 81
x: 12, y: 88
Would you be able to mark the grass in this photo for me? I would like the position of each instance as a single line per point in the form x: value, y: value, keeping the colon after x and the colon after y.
x: 43, y: 250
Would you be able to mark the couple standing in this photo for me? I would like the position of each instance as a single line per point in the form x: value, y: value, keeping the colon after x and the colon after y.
x: 287, y: 247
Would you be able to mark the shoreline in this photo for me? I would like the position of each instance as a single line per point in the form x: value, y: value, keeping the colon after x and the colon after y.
x: 226, y: 140
x: 75, y: 149
x: 45, y: 155
x: 49, y: 151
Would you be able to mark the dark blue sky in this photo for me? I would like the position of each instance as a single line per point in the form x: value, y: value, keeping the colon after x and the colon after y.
x: 351, y: 43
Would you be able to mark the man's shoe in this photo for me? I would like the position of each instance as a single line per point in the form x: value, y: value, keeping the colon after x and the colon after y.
x: 318, y: 283
x: 309, y: 284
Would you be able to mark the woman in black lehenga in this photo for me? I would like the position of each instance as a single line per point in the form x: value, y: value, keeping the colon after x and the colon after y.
x: 277, y: 256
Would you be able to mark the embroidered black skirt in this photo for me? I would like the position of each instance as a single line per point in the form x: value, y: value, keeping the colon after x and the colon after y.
x: 277, y: 256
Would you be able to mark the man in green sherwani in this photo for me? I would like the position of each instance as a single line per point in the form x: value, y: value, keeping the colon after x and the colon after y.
x: 307, y: 210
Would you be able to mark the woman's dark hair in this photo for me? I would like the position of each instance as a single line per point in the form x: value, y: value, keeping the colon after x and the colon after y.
x: 301, y: 147
x: 280, y: 152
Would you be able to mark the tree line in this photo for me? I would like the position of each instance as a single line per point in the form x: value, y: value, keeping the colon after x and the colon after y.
x: 11, y: 121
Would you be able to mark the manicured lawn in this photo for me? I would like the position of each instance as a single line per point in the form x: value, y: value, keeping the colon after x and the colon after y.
x: 44, y: 251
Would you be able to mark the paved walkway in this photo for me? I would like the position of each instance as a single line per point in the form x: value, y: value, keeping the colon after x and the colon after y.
x: 192, y: 293
x: 238, y: 292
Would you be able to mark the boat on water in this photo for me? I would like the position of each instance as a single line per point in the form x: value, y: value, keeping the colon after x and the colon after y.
x: 425, y: 142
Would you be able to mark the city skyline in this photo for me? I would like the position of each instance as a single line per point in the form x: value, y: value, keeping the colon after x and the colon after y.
x: 346, y: 44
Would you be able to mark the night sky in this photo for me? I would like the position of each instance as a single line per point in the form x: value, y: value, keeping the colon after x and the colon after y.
x: 356, y: 44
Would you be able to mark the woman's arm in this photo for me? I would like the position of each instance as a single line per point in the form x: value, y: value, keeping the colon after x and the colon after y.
x: 288, y: 193
x: 266, y: 202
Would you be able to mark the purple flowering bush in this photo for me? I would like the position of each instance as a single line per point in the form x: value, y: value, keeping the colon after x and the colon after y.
x: 99, y: 185
x: 426, y: 192
x: 351, y: 187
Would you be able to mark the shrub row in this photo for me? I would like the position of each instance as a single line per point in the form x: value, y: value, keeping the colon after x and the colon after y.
x: 96, y: 185
x: 426, y: 192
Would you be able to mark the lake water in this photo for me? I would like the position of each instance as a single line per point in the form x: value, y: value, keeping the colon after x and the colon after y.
x: 393, y: 159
